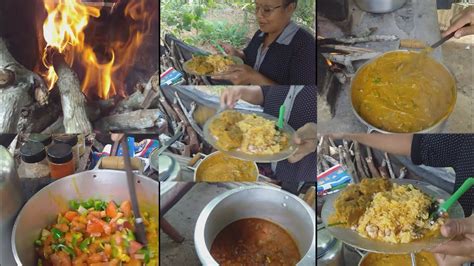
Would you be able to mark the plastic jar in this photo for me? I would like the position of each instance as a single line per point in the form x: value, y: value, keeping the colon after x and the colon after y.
x: 72, y: 141
x: 45, y: 139
x: 33, y: 161
x: 61, y: 160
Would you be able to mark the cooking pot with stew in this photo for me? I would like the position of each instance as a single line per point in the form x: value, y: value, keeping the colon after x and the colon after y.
x: 423, y: 258
x: 403, y: 92
x: 42, y: 209
x: 219, y: 167
x: 264, y: 203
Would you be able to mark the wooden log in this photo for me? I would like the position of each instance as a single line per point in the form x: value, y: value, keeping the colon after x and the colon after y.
x: 136, y: 120
x: 14, y: 93
x: 72, y: 100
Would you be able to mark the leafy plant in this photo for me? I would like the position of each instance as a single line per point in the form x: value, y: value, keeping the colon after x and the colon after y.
x: 213, y: 31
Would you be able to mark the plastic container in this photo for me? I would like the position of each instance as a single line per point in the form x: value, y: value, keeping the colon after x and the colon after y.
x: 61, y: 160
x: 45, y: 139
x: 33, y: 161
x: 72, y: 141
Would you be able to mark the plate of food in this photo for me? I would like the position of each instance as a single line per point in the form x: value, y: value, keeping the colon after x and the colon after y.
x: 387, y: 215
x: 210, y: 65
x: 250, y: 136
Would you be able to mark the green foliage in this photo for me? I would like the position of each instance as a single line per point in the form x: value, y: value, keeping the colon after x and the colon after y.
x: 213, y: 31
x: 178, y: 16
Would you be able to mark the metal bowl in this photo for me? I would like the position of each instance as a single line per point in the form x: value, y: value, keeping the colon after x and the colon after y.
x: 263, y: 202
x: 380, y: 6
x: 42, y: 209
x: 265, y: 158
x: 353, y: 238
x: 436, y: 128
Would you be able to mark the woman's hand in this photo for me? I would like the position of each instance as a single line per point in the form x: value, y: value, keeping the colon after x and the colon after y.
x: 229, y: 97
x: 230, y: 50
x: 305, y: 138
x: 239, y: 75
x: 461, y: 248
x: 461, y: 19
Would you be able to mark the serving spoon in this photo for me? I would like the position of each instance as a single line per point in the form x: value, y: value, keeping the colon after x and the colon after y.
x: 139, y: 225
x: 443, y: 207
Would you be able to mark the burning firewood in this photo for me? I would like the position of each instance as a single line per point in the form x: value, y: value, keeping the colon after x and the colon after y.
x: 72, y: 99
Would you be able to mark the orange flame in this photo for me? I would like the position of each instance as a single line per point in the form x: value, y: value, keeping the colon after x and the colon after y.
x: 64, y: 30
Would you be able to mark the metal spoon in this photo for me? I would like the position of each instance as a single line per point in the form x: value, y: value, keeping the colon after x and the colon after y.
x: 447, y: 37
x: 139, y: 225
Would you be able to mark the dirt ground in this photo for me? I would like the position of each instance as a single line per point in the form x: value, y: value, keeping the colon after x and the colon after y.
x: 458, y: 56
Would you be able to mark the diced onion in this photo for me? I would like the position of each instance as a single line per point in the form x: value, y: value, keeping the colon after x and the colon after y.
x: 139, y: 256
x: 82, y: 210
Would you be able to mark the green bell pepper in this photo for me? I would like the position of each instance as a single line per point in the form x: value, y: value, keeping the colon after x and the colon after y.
x: 57, y: 234
x: 85, y: 243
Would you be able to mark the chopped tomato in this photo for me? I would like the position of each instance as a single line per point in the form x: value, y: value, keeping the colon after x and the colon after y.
x: 62, y: 227
x: 94, y: 227
x: 97, y: 257
x: 134, y: 247
x: 68, y: 237
x: 69, y: 215
x: 126, y: 208
x: 108, y: 250
x: 60, y: 258
x: 111, y: 210
x: 80, y: 260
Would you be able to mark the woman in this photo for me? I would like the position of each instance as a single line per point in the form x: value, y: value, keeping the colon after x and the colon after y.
x: 300, y: 102
x: 280, y: 52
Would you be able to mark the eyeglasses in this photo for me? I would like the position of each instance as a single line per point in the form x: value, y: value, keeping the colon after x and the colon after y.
x: 266, y: 11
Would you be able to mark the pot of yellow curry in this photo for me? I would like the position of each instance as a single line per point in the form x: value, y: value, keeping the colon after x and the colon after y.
x: 423, y: 258
x: 219, y: 167
x: 403, y: 92
x: 86, y: 218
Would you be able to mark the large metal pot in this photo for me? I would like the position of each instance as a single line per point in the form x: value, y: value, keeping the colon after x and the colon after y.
x: 263, y: 202
x: 330, y: 251
x: 380, y: 6
x: 43, y: 208
x: 436, y: 128
x: 11, y: 200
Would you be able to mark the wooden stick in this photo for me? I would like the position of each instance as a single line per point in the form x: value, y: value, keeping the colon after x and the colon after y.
x: 360, y: 167
x: 373, y: 170
x: 403, y: 172
x: 383, y: 170
x: 349, y: 163
x: 72, y: 100
x: 389, y: 166
x: 371, y: 38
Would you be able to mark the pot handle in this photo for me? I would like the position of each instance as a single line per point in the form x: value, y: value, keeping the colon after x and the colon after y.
x: 194, y: 162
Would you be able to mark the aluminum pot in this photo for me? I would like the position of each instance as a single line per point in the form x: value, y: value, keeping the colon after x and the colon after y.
x: 436, y: 128
x: 263, y: 202
x: 42, y: 209
x: 380, y: 6
x: 11, y: 200
x: 208, y: 161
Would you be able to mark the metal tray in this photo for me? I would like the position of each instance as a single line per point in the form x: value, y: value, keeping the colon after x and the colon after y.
x: 237, y: 61
x: 353, y: 238
x: 253, y: 157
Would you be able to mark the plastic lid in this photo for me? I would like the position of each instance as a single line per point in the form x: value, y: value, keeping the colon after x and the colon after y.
x: 60, y: 153
x: 32, y: 152
x: 71, y: 140
x: 43, y: 138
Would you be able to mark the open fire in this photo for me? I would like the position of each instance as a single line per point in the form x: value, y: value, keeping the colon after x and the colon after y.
x: 96, y: 42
